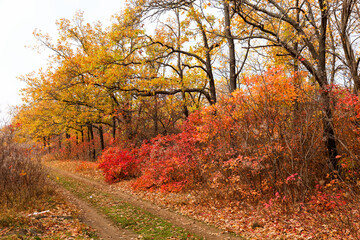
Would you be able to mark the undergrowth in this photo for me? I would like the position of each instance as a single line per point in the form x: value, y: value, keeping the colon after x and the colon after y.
x: 23, y: 180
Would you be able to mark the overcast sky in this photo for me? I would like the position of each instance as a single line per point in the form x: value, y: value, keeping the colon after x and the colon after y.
x: 19, y: 18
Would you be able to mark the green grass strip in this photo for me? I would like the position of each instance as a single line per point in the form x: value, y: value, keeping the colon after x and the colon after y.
x: 125, y: 215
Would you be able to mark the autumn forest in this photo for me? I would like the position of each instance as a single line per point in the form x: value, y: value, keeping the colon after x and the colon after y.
x: 244, y: 104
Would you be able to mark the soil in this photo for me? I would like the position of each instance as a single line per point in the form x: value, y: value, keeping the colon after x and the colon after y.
x: 107, y: 230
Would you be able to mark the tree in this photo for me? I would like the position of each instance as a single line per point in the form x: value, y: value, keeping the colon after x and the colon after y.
x: 303, y: 38
x: 202, y: 51
x: 346, y: 20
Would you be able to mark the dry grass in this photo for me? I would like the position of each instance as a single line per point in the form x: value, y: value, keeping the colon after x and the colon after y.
x: 25, y: 188
x: 22, y: 177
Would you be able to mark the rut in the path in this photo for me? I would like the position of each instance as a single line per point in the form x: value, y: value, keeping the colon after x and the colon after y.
x: 105, y: 229
x: 198, y: 228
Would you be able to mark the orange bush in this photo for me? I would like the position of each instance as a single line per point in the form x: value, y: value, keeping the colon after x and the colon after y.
x: 265, y: 139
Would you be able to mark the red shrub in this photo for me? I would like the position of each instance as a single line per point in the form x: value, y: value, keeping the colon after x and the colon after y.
x: 118, y: 164
x: 265, y: 139
x: 168, y: 163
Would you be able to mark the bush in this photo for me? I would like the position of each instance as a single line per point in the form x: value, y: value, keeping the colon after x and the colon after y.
x: 22, y: 177
x: 265, y: 139
x: 118, y: 164
x: 168, y: 163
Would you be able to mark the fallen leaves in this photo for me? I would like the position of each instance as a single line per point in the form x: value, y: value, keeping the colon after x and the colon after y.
x: 255, y: 221
x: 61, y: 221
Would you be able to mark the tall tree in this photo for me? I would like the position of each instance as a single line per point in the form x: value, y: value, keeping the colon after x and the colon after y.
x: 306, y: 40
x: 346, y: 20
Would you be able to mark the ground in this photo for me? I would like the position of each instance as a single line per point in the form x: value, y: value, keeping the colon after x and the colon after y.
x: 190, y: 225
x: 54, y: 218
x: 85, y: 207
x: 245, y: 220
x: 105, y: 228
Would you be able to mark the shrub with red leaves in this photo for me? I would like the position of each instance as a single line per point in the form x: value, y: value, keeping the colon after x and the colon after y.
x: 118, y: 164
x: 168, y: 163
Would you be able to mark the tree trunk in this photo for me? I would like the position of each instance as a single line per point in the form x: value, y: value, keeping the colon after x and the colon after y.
x: 114, y: 128
x: 128, y: 121
x: 179, y: 65
x: 59, y: 141
x: 92, y: 152
x: 325, y: 95
x: 49, y: 145
x: 101, y: 135
x: 82, y: 135
x: 156, y: 117
x: 208, y: 64
x: 68, y: 143
x: 352, y: 62
x: 231, y: 44
x: 329, y: 132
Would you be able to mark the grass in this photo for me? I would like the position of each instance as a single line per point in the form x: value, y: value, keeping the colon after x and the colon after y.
x: 125, y: 215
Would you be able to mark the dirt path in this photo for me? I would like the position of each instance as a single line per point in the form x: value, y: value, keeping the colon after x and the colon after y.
x: 105, y: 229
x: 201, y: 229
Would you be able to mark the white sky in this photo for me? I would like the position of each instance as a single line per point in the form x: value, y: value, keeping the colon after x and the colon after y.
x: 19, y: 18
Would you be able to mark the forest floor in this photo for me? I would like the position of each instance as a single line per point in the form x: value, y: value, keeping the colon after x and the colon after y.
x: 52, y: 217
x: 182, y: 216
